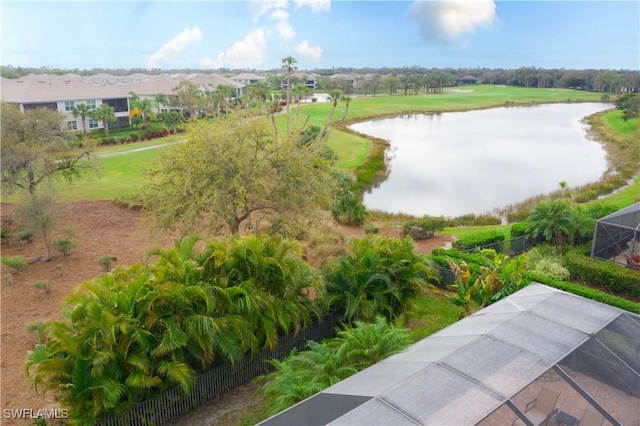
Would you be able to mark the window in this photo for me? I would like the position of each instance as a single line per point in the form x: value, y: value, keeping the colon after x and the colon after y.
x: 118, y: 105
x: 69, y: 105
x: 91, y: 103
x: 72, y: 125
x: 93, y: 123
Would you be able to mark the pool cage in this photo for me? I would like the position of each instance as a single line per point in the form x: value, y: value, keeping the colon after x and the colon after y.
x: 617, y: 236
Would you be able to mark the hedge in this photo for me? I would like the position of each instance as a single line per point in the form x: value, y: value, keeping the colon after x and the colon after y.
x: 586, y: 292
x: 478, y: 240
x: 613, y: 277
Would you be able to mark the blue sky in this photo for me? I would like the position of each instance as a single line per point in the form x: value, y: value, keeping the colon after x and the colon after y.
x: 321, y: 34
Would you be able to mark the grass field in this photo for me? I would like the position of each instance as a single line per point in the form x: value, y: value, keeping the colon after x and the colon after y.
x: 614, y: 120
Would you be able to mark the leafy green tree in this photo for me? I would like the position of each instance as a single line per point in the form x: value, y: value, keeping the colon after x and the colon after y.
x: 35, y: 149
x: 553, y: 220
x: 629, y: 103
x: 38, y: 213
x: 106, y: 114
x: 82, y: 111
x: 232, y: 169
x: 186, y: 97
x: 378, y: 277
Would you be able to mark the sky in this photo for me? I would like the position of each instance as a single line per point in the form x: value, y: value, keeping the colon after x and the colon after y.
x: 258, y: 34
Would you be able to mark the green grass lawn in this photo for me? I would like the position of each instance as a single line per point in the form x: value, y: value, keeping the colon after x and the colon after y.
x: 614, y: 120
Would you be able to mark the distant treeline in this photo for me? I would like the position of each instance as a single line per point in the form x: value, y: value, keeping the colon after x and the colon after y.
x: 599, y: 80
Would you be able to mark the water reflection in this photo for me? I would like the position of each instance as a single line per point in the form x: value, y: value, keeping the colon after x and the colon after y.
x: 473, y: 162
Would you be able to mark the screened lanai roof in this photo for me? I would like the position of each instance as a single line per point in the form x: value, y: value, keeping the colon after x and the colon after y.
x: 617, y: 236
x: 485, y: 368
x: 628, y: 217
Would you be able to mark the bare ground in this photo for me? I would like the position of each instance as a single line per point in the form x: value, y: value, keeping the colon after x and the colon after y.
x: 100, y: 229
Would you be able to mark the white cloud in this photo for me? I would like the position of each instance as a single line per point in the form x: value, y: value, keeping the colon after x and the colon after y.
x: 308, y: 52
x: 247, y: 52
x: 449, y: 20
x: 174, y: 46
x: 315, y: 5
x: 285, y: 31
x: 262, y: 7
x: 280, y: 15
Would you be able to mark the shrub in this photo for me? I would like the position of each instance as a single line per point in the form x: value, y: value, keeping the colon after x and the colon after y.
x: 519, y: 229
x: 348, y: 209
x: 303, y: 374
x: 314, y: 99
x: 423, y: 228
x: 25, y: 235
x: 378, y: 277
x: 16, y: 262
x: 64, y: 246
x: 107, y: 262
x: 586, y: 292
x: 615, y: 278
x: 42, y: 285
x: 552, y: 268
x: 371, y: 229
x: 8, y: 279
x: 479, y: 240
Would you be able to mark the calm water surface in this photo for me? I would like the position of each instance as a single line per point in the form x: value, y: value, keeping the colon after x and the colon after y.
x: 474, y: 162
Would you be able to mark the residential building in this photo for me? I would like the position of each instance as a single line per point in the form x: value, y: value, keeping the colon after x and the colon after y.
x: 63, y: 93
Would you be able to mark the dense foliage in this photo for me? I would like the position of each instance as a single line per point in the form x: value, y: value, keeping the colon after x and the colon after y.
x: 35, y: 149
x: 613, y: 277
x: 424, y: 227
x: 236, y: 170
x: 305, y: 373
x: 377, y: 277
x: 480, y: 239
x: 139, y: 330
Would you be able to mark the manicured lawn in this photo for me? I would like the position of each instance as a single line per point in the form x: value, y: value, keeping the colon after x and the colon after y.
x: 428, y: 314
x: 464, y: 231
x: 623, y: 198
x: 616, y: 122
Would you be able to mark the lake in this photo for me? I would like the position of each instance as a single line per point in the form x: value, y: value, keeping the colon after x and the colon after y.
x: 455, y: 163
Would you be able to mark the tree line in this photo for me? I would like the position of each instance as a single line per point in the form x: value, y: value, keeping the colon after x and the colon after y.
x: 599, y: 80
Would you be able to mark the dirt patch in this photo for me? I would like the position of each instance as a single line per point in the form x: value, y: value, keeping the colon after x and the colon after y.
x: 100, y: 229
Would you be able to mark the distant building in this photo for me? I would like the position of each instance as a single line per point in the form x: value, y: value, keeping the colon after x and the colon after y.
x: 248, y: 78
x: 468, y: 79
x: 63, y: 93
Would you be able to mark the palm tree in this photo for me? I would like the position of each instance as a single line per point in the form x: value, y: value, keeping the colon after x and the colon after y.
x: 289, y: 65
x: 378, y: 277
x: 106, y: 114
x: 553, y: 220
x: 146, y: 106
x: 172, y: 119
x: 160, y: 99
x: 82, y: 111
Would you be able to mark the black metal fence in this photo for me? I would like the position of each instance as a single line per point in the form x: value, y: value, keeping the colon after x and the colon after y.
x: 174, y: 403
x: 511, y: 247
